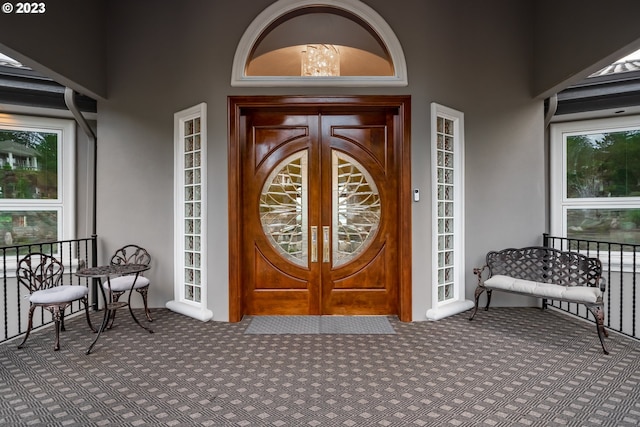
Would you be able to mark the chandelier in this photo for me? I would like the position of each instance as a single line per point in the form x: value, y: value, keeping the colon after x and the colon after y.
x: 320, y: 60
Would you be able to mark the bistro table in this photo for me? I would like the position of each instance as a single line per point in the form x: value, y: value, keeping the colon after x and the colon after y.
x: 111, y: 306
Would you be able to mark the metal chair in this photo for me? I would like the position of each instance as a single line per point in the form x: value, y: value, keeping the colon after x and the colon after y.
x: 129, y: 254
x: 42, y: 275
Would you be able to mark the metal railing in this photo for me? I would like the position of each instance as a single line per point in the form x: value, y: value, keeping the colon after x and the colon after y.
x: 621, y: 269
x: 14, y: 298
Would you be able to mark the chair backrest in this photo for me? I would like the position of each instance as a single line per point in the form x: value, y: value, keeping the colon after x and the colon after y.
x: 131, y: 254
x: 37, y: 271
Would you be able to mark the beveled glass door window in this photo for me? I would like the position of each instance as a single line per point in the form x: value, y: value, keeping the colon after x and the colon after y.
x: 283, y: 208
x: 356, y: 208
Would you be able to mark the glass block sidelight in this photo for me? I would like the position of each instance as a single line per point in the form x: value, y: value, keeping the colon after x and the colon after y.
x: 192, y: 190
x: 190, y: 213
x: 447, y: 207
x: 445, y: 200
x: 190, y: 150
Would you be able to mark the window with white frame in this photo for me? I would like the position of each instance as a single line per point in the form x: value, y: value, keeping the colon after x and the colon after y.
x: 190, y: 213
x: 37, y: 179
x: 595, y: 179
x: 447, y: 165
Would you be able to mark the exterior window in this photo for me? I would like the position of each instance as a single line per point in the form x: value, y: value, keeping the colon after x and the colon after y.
x: 596, y: 180
x: 37, y: 180
x: 447, y: 165
x: 364, y: 51
x: 190, y: 279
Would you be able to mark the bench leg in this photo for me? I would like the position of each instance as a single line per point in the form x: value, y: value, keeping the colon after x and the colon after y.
x: 489, y: 292
x: 598, y: 313
x: 479, y: 291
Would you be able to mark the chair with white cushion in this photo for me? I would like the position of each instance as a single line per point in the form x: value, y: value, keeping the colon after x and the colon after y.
x: 129, y: 254
x: 42, y: 275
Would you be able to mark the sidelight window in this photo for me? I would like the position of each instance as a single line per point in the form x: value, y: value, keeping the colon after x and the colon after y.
x: 190, y: 213
x: 447, y: 164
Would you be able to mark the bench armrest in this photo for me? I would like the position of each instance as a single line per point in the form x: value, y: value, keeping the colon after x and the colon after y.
x: 478, y: 272
x: 603, y: 284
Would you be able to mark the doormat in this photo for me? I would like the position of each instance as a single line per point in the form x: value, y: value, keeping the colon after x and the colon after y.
x: 301, y: 325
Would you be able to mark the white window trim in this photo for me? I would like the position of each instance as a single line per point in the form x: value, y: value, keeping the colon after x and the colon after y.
x: 282, y: 7
x: 180, y: 304
x: 559, y: 202
x: 65, y: 203
x: 458, y: 303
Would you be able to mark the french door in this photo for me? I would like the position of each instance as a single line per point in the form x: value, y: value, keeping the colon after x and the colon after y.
x: 319, y: 227
x: 318, y: 211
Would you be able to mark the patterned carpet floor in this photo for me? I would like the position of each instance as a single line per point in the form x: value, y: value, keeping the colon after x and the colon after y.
x: 510, y: 366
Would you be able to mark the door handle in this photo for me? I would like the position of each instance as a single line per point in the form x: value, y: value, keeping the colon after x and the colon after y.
x: 326, y: 230
x: 314, y: 243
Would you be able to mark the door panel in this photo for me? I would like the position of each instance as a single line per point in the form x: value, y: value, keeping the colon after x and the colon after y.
x: 319, y: 234
x: 361, y: 285
x: 278, y: 159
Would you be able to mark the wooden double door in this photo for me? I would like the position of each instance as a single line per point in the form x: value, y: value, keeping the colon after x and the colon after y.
x: 319, y: 223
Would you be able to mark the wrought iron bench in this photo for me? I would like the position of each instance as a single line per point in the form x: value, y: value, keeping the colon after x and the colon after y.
x: 545, y: 273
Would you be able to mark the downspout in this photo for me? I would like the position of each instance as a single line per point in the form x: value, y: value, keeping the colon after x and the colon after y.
x: 551, y: 111
x: 553, y: 107
x: 69, y: 99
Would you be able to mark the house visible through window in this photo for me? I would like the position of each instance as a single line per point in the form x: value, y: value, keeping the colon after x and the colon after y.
x: 596, y: 179
x: 37, y: 181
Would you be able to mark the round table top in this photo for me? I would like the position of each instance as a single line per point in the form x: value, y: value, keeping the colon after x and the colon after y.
x: 112, y: 270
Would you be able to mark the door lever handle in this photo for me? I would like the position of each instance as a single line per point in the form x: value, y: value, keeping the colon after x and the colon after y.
x: 314, y: 243
x: 326, y: 230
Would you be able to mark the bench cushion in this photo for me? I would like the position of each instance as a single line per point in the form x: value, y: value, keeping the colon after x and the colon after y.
x: 581, y: 294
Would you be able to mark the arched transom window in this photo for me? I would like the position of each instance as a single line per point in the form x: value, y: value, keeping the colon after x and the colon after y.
x: 326, y: 43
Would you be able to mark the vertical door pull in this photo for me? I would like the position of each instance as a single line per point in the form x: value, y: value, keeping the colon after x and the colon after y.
x: 325, y: 243
x: 314, y: 243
